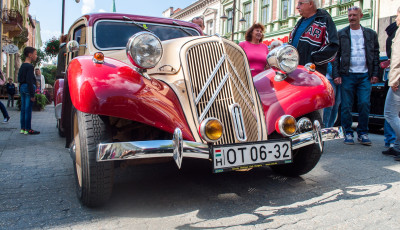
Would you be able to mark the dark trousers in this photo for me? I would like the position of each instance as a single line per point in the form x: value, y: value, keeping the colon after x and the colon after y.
x: 10, y: 99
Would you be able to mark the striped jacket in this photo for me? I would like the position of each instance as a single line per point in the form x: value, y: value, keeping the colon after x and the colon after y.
x: 319, y: 43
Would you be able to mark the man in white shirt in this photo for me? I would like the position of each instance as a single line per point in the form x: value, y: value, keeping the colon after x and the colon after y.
x: 40, y: 79
x: 356, y: 68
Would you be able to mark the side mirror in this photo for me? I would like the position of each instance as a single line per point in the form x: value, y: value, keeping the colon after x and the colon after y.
x: 72, y: 46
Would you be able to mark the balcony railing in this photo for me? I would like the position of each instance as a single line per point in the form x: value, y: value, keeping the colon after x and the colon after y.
x: 12, y: 22
x: 284, y: 24
x: 345, y: 7
x: 11, y: 16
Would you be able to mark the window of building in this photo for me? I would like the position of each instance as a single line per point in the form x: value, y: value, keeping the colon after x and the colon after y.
x: 286, y: 8
x: 247, y: 15
x: 344, y: 1
x: 210, y: 27
x: 265, y: 4
x: 229, y: 22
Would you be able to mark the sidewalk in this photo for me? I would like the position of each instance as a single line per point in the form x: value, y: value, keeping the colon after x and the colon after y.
x: 36, y: 173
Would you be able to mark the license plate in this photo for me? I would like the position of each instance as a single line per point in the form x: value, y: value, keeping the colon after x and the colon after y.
x: 251, y: 155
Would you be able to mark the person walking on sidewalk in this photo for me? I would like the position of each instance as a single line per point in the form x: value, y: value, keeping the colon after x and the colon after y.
x: 356, y: 69
x: 390, y: 135
x: 392, y: 103
x: 27, y: 81
x: 11, y: 92
x: 4, y: 112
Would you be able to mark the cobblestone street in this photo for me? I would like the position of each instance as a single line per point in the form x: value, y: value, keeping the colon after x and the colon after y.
x: 352, y: 187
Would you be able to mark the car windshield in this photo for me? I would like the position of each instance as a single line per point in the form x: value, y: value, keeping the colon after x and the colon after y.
x: 115, y: 34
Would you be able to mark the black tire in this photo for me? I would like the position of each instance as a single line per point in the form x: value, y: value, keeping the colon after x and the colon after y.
x: 94, y: 180
x: 304, y: 159
x: 61, y: 132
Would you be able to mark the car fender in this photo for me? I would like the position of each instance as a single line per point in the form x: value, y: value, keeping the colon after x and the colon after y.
x: 116, y: 89
x: 300, y: 93
x: 58, y: 97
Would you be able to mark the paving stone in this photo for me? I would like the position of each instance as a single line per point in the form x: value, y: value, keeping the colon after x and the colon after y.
x: 352, y: 187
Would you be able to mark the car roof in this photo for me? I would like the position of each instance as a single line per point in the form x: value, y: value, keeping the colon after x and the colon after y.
x: 92, y: 18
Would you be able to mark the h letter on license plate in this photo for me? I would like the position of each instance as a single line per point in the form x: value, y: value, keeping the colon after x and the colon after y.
x: 250, y: 155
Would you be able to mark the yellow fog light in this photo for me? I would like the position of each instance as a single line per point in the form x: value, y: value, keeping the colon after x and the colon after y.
x: 211, y: 129
x: 287, y: 125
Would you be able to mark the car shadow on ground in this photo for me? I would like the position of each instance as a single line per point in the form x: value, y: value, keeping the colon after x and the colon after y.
x: 145, y: 192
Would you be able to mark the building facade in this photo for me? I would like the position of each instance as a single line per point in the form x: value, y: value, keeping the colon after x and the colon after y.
x: 209, y: 10
x: 17, y: 28
x: 278, y: 16
x: 386, y: 14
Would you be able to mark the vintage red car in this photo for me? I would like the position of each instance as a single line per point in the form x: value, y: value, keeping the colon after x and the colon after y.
x: 143, y: 89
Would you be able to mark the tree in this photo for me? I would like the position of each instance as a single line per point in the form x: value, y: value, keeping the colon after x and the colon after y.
x: 49, y: 73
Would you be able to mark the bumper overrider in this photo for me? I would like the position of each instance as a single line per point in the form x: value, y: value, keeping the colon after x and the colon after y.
x: 179, y: 148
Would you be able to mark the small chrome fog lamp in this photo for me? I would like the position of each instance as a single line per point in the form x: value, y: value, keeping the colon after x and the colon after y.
x: 287, y: 125
x: 211, y: 129
x: 144, y: 50
x: 304, y: 125
x: 285, y: 58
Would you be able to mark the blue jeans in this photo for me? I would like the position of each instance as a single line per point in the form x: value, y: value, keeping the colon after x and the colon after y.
x: 390, y: 135
x: 330, y: 113
x: 360, y: 85
x: 26, y: 107
x: 3, y: 110
x: 392, y: 108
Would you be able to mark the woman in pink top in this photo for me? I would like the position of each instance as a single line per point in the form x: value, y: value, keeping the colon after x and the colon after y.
x: 256, y: 51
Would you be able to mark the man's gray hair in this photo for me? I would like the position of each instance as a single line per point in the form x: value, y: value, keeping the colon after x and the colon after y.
x: 197, y: 18
x: 316, y: 3
x: 398, y: 10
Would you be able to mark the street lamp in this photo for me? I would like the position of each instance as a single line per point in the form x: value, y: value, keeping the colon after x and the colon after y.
x: 62, y: 15
x: 241, y: 21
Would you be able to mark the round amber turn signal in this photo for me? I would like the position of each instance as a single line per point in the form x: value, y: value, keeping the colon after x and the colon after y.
x: 287, y: 125
x: 98, y: 57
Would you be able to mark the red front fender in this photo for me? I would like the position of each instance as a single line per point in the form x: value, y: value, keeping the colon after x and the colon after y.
x: 300, y: 93
x: 115, y: 89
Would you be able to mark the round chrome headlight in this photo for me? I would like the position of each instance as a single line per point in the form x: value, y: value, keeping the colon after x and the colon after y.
x: 285, y: 58
x: 144, y: 50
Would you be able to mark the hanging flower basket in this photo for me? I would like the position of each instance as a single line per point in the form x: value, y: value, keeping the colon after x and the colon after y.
x: 52, y: 47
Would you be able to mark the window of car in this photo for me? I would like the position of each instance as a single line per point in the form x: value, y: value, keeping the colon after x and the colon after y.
x: 115, y: 34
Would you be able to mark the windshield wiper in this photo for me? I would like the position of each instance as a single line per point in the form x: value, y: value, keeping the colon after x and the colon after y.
x: 181, y: 28
x: 137, y: 24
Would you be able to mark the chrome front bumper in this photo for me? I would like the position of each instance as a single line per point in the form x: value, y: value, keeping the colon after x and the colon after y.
x: 179, y: 148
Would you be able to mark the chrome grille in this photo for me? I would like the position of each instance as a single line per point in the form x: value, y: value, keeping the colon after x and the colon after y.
x: 216, y: 85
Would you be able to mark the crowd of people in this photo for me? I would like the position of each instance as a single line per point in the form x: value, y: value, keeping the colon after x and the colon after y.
x: 350, y: 63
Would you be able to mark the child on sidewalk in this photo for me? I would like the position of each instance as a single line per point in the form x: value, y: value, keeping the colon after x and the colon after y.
x: 27, y: 81
x: 11, y: 92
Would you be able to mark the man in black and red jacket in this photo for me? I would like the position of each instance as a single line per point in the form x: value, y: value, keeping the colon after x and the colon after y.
x: 314, y: 36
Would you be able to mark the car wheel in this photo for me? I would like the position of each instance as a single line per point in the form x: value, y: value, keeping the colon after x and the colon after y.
x: 94, y: 179
x: 304, y: 159
x: 60, y: 130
